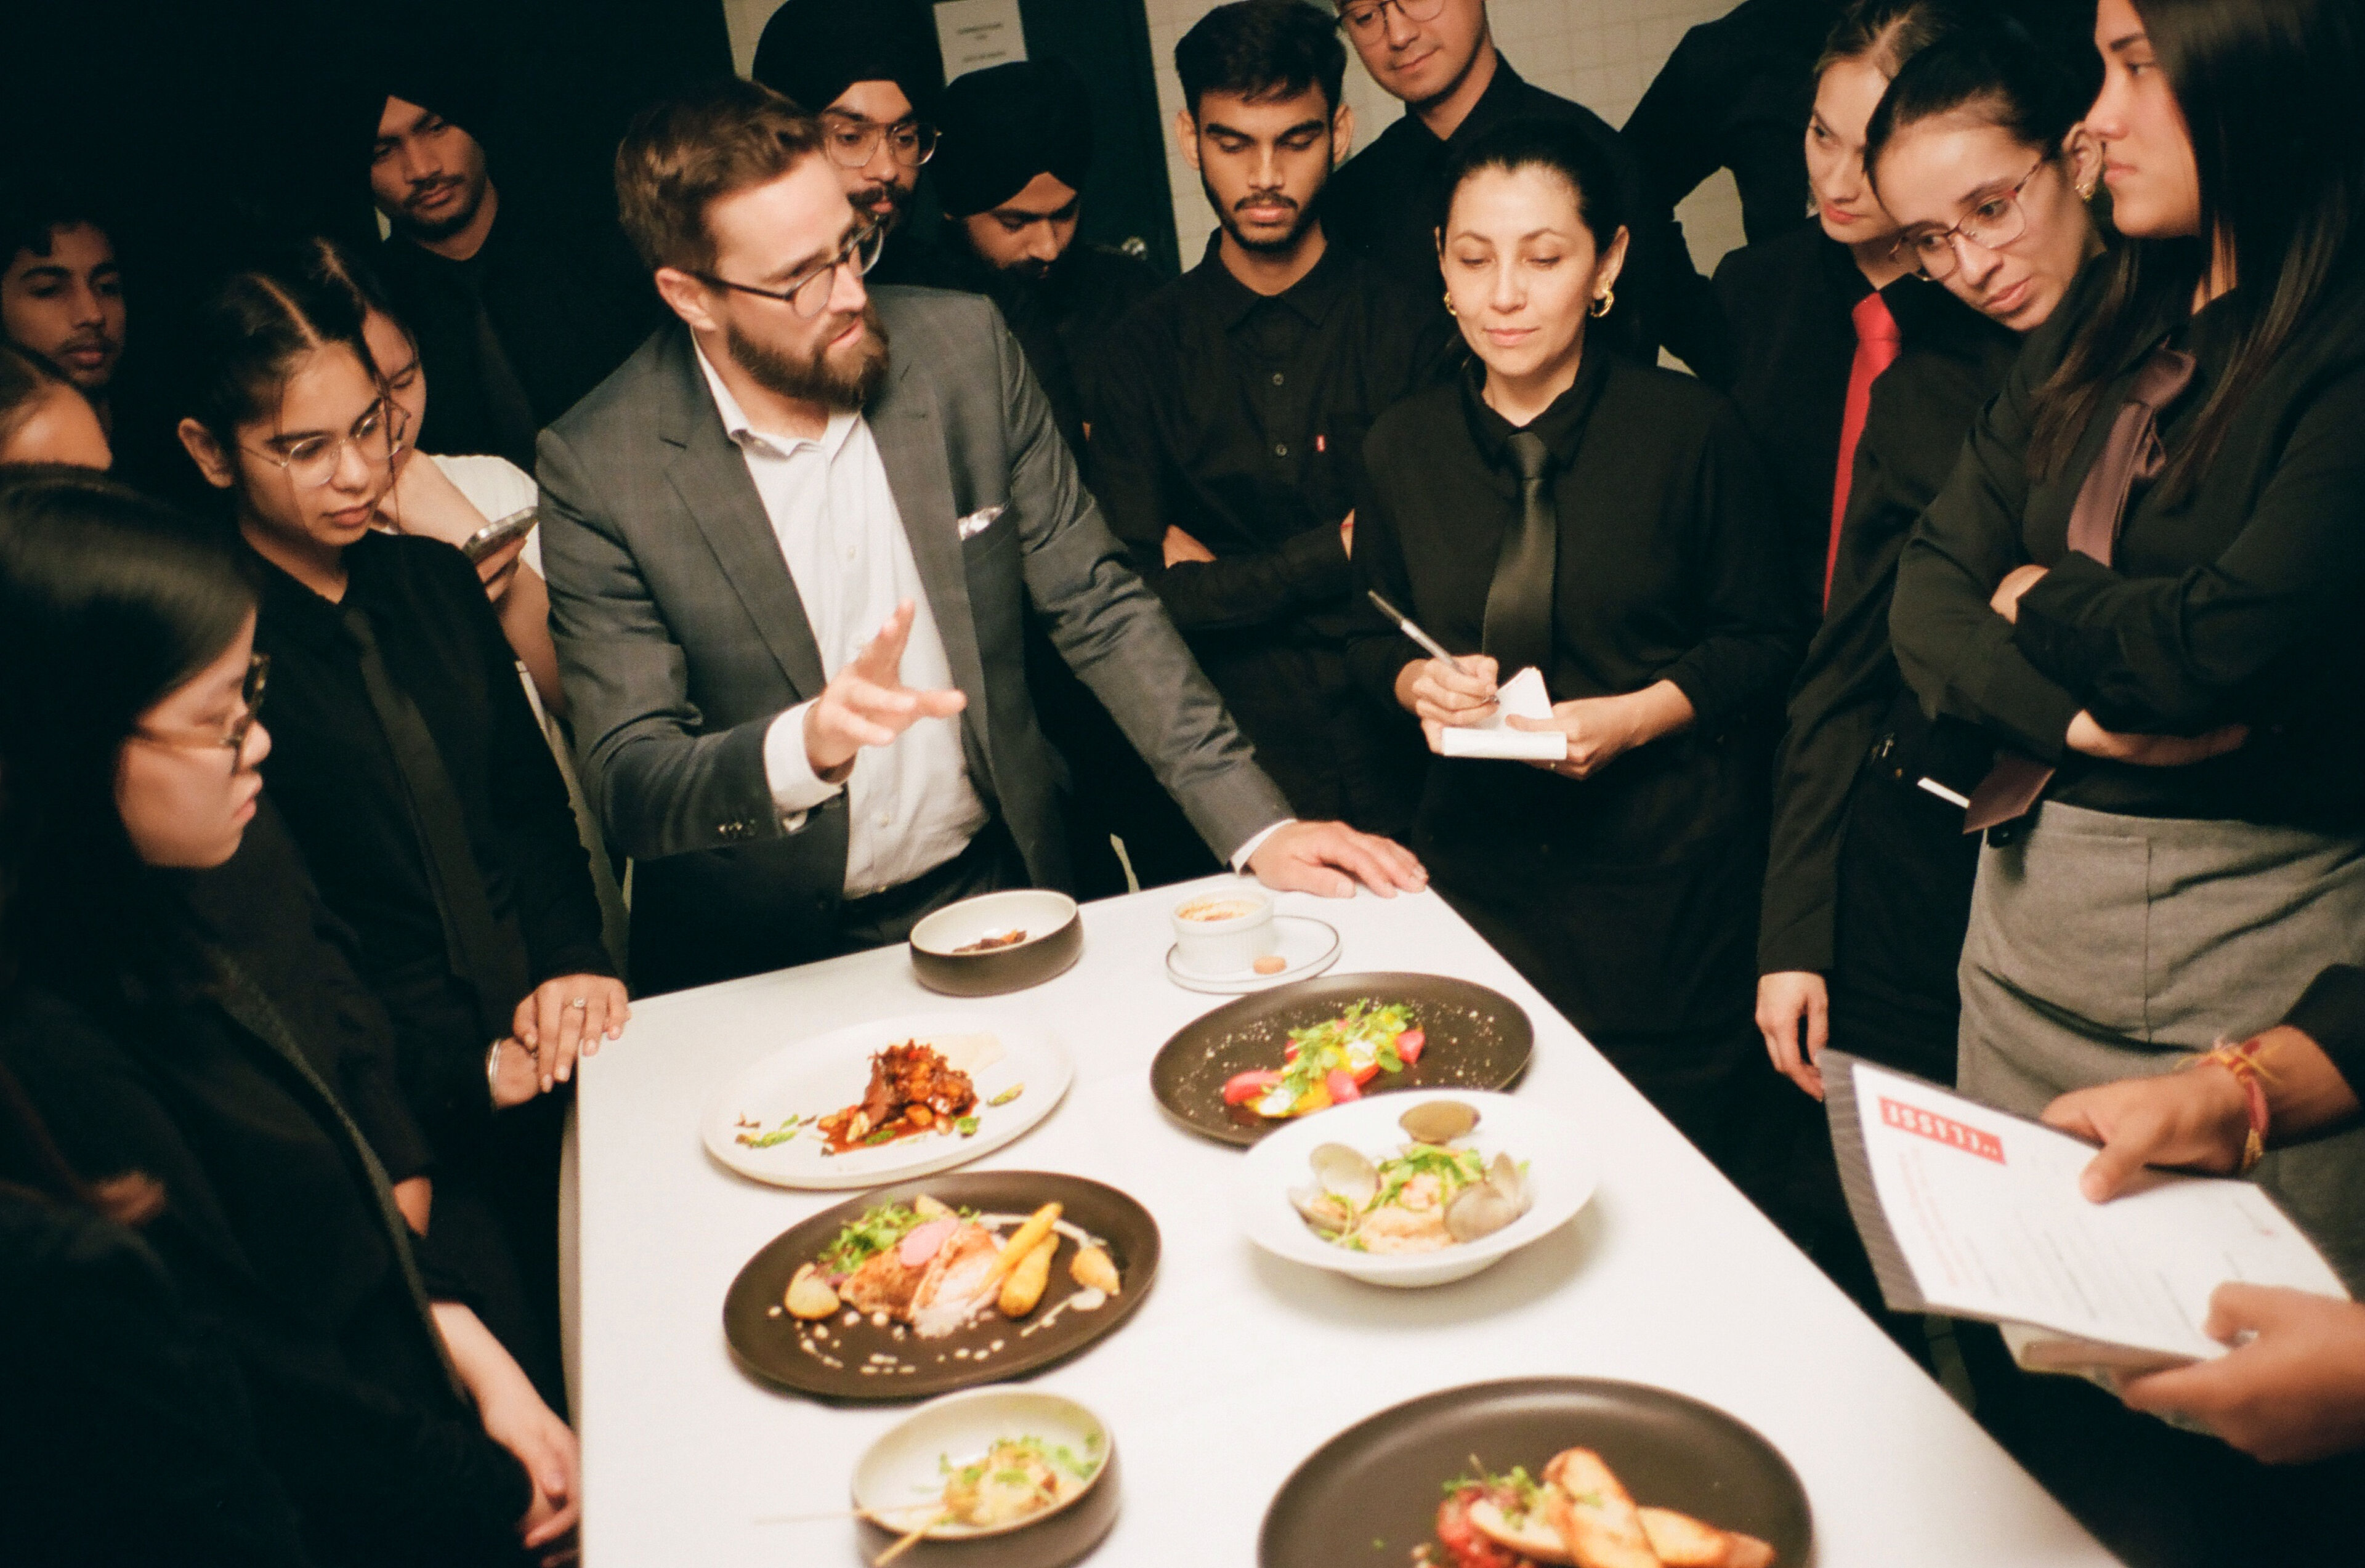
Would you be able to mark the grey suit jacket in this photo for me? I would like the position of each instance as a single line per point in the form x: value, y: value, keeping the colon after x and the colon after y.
x: 680, y: 633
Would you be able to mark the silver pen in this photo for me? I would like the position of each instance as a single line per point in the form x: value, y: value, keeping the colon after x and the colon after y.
x: 1404, y: 624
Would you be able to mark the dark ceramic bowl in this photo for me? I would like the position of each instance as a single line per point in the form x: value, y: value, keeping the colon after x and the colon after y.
x: 1054, y: 941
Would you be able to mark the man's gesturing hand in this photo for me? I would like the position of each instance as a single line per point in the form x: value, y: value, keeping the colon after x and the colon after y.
x: 866, y: 702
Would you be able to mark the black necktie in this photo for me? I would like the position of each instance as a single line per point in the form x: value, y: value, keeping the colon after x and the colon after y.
x: 486, y: 951
x: 1517, y: 628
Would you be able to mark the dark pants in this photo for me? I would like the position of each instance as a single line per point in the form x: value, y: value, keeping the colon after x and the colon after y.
x: 991, y: 862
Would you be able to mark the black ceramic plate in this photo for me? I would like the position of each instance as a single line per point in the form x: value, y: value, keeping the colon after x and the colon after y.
x: 1370, y: 1494
x: 1477, y: 1040
x: 779, y: 1350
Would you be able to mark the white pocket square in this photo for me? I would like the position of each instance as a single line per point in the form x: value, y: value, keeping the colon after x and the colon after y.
x: 977, y: 522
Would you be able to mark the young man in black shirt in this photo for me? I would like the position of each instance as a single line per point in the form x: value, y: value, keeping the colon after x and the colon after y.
x: 60, y: 290
x: 1228, y: 420
x: 1438, y: 57
x: 518, y: 311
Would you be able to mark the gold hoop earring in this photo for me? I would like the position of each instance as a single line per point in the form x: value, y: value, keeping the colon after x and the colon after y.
x: 1449, y: 305
x: 1603, y: 304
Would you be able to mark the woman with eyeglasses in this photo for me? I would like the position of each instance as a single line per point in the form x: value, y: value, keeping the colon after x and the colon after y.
x: 2142, y: 582
x: 1814, y: 317
x: 131, y: 766
x: 1973, y: 150
x: 414, y: 777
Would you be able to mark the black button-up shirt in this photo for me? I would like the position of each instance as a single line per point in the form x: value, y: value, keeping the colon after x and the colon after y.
x: 334, y: 775
x: 1239, y: 418
x: 1387, y: 201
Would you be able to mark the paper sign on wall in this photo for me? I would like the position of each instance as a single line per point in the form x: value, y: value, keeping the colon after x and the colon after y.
x: 975, y: 34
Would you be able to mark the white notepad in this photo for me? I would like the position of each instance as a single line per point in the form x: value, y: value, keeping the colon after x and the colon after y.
x: 1524, y: 696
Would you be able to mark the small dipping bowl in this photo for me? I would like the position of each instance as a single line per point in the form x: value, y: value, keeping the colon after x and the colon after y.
x: 1223, y: 933
x: 899, y: 1480
x: 1054, y: 941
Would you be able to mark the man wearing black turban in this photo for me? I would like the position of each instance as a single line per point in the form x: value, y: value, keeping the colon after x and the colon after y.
x: 517, y: 311
x: 872, y: 71
x: 1017, y: 140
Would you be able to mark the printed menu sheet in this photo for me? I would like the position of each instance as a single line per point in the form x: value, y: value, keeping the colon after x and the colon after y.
x: 1976, y: 1213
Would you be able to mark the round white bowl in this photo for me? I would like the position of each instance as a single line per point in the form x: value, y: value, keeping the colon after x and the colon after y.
x: 1229, y: 944
x: 1561, y: 1176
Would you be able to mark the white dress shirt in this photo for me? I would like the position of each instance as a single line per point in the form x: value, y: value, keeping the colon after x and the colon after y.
x: 909, y: 806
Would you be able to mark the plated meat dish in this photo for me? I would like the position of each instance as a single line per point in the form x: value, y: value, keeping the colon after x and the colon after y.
x: 1577, y: 1512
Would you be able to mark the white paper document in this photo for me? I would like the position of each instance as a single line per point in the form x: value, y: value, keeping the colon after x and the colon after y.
x: 1524, y: 696
x: 1984, y: 1208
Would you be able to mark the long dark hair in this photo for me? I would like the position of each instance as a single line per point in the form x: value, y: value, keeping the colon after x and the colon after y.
x: 109, y: 601
x: 2269, y: 93
x: 31, y: 1165
x: 249, y: 334
x: 1542, y: 144
x: 1994, y: 73
x: 1889, y: 32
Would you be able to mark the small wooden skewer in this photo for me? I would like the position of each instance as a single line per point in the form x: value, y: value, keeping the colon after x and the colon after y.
x: 908, y: 1543
x: 823, y: 1517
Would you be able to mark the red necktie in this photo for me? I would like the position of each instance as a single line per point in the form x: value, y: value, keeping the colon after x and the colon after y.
x: 2131, y: 451
x: 1877, y: 347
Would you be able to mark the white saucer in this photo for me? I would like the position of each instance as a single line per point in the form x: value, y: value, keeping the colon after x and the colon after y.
x: 1308, y: 944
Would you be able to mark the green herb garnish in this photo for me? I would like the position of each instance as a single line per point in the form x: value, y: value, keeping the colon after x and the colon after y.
x: 966, y: 1126
x: 780, y: 1135
x: 1007, y: 1095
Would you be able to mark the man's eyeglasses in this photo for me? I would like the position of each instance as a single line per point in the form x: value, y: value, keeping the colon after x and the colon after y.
x: 1994, y: 224
x: 249, y: 697
x: 808, y: 296
x: 1362, y: 18
x: 853, y: 143
x: 313, y: 460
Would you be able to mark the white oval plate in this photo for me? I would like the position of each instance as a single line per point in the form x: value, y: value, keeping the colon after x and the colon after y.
x: 829, y: 1072
x: 900, y: 1480
x: 1561, y: 1177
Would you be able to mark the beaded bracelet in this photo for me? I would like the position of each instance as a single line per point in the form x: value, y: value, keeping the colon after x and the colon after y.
x: 2242, y: 1061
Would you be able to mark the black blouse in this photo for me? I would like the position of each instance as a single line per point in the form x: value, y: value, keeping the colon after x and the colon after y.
x: 281, y: 1236
x: 2234, y: 604
x: 1922, y: 408
x: 333, y: 776
x: 1790, y: 341
x: 1666, y: 566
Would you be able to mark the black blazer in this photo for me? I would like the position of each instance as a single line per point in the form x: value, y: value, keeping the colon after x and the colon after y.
x: 128, y: 1439
x: 1790, y: 341
x: 1921, y: 409
x: 283, y: 1239
x: 2237, y: 602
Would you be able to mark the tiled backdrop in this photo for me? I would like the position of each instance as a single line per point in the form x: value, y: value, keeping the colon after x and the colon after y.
x: 1601, y: 52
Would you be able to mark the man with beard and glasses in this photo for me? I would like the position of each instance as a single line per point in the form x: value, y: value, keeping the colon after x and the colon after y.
x: 871, y: 71
x: 518, y: 311
x: 1438, y: 57
x: 787, y: 574
x: 62, y: 292
x: 1228, y: 422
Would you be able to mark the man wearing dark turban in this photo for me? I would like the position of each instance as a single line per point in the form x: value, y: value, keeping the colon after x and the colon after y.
x: 1017, y: 140
x: 872, y: 71
x: 517, y: 311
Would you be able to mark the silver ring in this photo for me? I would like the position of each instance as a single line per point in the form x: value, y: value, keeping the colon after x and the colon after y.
x: 578, y: 1002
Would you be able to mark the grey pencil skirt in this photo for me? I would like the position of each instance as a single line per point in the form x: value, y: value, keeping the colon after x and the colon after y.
x: 2105, y: 947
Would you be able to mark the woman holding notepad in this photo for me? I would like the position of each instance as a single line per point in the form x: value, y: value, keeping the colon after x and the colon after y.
x: 1605, y: 524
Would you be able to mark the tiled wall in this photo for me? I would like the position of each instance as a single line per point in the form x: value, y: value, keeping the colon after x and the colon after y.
x: 1603, y: 53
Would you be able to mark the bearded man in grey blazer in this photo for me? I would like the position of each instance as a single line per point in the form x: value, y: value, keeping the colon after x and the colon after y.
x: 786, y: 570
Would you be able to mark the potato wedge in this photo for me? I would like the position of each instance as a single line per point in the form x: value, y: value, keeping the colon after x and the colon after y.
x: 1090, y: 1268
x: 1025, y: 1286
x: 1594, y: 1513
x: 1022, y: 1241
x: 1683, y: 1542
x: 809, y: 1296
